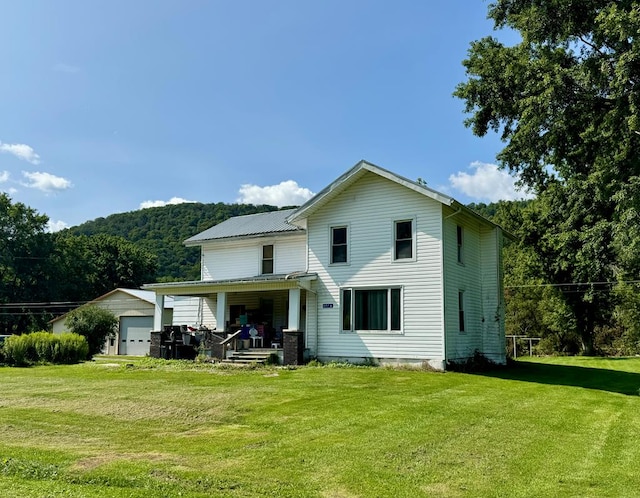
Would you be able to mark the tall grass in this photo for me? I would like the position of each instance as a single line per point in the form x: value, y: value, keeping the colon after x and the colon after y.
x: 44, y: 347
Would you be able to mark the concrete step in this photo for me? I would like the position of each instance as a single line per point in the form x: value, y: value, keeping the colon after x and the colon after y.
x: 247, y: 357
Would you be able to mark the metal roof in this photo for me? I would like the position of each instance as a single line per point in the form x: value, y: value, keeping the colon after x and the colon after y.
x: 242, y: 284
x: 248, y: 225
x: 144, y: 295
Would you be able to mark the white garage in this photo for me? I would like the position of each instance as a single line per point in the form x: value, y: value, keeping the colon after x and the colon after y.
x: 135, y: 335
x: 135, y: 309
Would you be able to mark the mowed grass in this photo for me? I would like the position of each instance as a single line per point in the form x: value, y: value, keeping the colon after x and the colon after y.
x: 552, y: 427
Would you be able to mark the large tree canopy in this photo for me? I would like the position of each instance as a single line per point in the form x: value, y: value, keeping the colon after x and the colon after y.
x: 565, y: 101
x: 24, y: 251
x: 42, y: 273
x: 567, y: 95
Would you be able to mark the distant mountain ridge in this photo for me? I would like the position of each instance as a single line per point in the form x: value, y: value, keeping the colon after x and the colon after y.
x: 162, y: 231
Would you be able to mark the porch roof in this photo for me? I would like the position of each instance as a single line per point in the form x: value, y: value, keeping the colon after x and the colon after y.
x: 257, y: 283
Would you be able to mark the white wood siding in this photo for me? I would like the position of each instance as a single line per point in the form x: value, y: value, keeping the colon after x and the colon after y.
x: 479, y: 278
x: 369, y: 208
x: 310, y: 325
x: 493, y: 338
x: 186, y: 310
x: 240, y: 259
x: 194, y: 311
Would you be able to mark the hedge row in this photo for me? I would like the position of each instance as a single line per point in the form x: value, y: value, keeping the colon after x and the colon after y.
x: 45, y: 347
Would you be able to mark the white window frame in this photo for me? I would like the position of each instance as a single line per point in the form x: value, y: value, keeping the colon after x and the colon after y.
x: 462, y: 306
x: 394, y: 258
x: 347, y: 244
x: 272, y: 259
x: 352, y: 311
x: 460, y: 244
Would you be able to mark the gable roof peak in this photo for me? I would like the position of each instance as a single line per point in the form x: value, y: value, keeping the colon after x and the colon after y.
x: 351, y: 176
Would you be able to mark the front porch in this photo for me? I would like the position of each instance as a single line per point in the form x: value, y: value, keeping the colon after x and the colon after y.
x: 236, y: 317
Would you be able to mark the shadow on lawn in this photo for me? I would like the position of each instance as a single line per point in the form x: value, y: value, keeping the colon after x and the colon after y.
x: 614, y: 381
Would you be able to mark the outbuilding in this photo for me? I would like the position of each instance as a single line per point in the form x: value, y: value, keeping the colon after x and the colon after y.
x: 135, y: 311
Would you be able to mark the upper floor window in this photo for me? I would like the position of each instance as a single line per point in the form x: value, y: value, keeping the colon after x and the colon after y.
x: 460, y: 241
x: 339, y: 244
x: 267, y: 259
x: 403, y: 239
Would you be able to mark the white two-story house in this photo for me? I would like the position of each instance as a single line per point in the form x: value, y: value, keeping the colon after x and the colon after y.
x: 375, y: 267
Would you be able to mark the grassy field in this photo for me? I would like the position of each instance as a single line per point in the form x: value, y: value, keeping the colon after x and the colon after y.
x: 552, y: 427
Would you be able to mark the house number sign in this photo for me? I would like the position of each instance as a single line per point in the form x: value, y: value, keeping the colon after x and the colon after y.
x: 327, y: 305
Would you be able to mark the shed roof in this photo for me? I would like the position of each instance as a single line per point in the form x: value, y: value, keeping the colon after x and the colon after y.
x: 248, y: 225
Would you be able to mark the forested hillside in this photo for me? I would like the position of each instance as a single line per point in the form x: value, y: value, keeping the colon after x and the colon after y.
x: 162, y: 231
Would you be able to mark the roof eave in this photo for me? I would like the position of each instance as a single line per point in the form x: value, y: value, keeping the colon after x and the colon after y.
x: 198, y: 242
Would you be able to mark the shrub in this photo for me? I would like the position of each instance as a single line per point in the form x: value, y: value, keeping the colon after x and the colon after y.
x: 477, y: 363
x: 94, y: 323
x: 45, y: 347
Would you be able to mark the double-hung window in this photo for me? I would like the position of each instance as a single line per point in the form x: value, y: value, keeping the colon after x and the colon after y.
x: 461, y: 310
x: 339, y: 245
x: 403, y: 240
x: 460, y: 241
x: 267, y: 259
x: 377, y: 309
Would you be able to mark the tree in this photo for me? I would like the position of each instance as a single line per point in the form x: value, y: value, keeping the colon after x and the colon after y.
x: 117, y: 263
x: 89, y: 266
x: 24, y: 251
x: 94, y: 323
x: 565, y: 101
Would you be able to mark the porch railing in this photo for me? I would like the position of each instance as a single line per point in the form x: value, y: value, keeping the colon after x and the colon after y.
x: 232, y: 340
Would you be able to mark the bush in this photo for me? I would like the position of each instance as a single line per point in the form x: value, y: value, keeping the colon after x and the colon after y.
x: 45, y: 347
x: 477, y: 363
x: 94, y: 323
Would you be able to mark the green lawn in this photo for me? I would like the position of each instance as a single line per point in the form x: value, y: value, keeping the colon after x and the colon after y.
x: 552, y: 427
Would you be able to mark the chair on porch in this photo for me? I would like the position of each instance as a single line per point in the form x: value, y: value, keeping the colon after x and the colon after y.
x: 255, y: 337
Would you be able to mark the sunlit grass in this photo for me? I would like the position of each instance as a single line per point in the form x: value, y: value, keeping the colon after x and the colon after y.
x: 130, y: 427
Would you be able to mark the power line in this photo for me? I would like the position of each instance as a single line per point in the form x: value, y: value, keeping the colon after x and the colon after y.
x: 573, y: 284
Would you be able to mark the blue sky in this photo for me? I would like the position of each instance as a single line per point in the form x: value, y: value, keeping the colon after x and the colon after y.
x: 110, y: 106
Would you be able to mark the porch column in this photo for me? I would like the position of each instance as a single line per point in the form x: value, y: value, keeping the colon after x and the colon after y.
x: 158, y: 312
x: 221, y: 309
x: 294, y: 309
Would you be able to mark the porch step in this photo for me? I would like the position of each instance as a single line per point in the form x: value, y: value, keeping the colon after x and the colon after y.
x: 250, y: 356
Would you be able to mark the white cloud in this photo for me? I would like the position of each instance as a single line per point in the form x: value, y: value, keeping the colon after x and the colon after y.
x: 21, y: 151
x: 45, y: 181
x: 4, y: 176
x: 488, y: 183
x: 287, y: 193
x: 56, y: 226
x: 173, y: 200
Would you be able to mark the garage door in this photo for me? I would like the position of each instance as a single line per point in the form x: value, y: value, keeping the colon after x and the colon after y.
x: 135, y: 335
